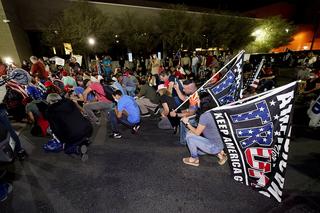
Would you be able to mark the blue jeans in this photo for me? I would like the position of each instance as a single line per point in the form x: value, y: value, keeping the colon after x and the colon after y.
x: 177, y: 100
x: 6, y: 124
x: 115, y: 121
x: 198, y: 145
x: 195, y: 70
x: 184, y: 130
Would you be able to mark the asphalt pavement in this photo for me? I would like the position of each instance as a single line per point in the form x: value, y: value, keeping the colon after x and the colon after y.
x: 145, y: 173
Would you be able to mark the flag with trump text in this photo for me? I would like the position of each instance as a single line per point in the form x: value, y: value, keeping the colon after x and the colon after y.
x: 228, y: 88
x: 256, y: 132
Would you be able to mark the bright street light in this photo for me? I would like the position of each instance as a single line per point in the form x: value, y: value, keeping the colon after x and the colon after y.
x: 260, y: 34
x: 91, y: 41
x: 287, y: 30
x: 8, y: 60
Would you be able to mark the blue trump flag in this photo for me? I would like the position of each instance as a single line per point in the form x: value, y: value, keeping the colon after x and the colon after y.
x: 228, y: 88
x: 256, y: 132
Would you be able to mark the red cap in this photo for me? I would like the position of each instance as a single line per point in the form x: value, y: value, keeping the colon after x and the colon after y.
x: 48, y: 84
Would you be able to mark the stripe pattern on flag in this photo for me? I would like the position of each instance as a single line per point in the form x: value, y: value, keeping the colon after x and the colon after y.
x: 257, y: 133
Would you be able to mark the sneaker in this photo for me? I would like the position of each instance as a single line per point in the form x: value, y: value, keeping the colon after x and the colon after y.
x: 135, y: 129
x: 156, y: 110
x: 116, y: 135
x: 21, y: 154
x: 145, y: 115
x: 5, y: 190
x: 223, y: 160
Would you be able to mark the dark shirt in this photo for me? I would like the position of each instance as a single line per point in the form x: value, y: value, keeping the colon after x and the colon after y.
x: 75, y: 66
x: 312, y: 84
x: 149, y: 93
x: 169, y: 100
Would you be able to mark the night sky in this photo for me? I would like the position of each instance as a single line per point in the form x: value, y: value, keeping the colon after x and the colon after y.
x: 307, y: 11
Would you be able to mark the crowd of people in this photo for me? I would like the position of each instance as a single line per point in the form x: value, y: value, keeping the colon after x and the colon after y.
x: 123, y: 95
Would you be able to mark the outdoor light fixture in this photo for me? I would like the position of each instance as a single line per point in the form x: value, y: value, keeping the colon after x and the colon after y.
x: 117, y: 41
x: 8, y: 60
x: 6, y: 20
x: 91, y: 41
x: 116, y: 36
x: 287, y: 30
x: 259, y: 34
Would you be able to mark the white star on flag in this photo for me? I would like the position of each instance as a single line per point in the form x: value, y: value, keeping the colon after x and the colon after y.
x: 277, y: 133
x: 264, y: 140
x: 276, y: 117
x: 240, y: 132
x: 239, y: 115
x: 272, y: 103
x: 268, y: 132
x: 250, y: 131
x: 250, y: 113
x: 230, y: 77
x: 261, y: 109
x: 254, y: 141
x: 261, y: 129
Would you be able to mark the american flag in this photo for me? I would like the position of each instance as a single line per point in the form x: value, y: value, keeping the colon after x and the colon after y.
x: 253, y: 79
x: 228, y: 88
x: 256, y: 132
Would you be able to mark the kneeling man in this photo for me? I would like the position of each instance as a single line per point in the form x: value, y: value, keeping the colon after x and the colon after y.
x: 209, y: 143
x: 126, y: 112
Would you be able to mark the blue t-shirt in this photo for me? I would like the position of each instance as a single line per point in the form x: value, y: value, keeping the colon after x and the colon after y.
x: 35, y: 93
x: 211, y: 131
x: 128, y: 104
x: 107, y: 65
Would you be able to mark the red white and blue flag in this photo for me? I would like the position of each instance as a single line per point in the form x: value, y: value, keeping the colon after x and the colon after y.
x: 256, y: 132
x: 228, y: 88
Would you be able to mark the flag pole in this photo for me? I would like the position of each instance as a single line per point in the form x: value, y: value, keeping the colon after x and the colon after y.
x: 255, y: 75
x: 242, y: 51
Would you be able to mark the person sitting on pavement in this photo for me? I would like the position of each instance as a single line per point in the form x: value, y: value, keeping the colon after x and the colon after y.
x: 169, y: 81
x: 147, y: 98
x: 68, y: 80
x: 168, y: 104
x: 126, y: 112
x: 38, y: 69
x: 130, y: 83
x: 101, y: 103
x: 209, y: 143
x: 117, y: 85
x: 189, y: 88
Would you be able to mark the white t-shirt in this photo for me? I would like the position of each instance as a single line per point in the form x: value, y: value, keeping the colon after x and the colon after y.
x: 195, y: 60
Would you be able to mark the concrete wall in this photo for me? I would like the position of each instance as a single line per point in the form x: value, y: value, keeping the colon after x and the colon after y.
x: 7, y: 44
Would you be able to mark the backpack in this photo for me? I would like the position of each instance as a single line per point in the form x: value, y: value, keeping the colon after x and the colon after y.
x: 108, y: 90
